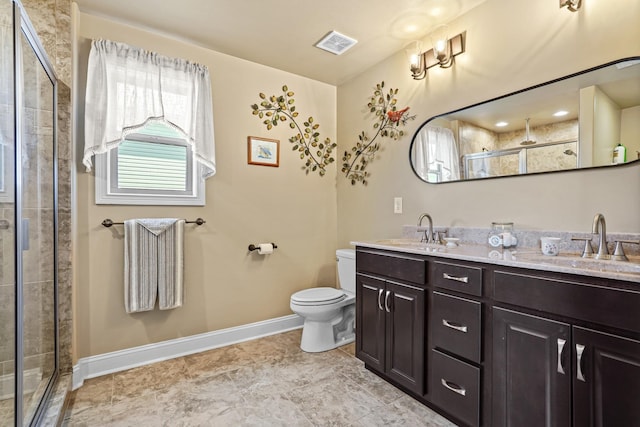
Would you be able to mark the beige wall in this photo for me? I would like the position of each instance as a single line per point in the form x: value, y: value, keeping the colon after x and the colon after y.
x: 510, y: 46
x: 225, y: 286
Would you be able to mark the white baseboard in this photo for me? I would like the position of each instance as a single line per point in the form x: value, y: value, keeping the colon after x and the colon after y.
x: 102, y: 364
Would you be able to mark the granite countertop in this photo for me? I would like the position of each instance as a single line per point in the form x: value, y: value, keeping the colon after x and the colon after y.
x: 525, y: 257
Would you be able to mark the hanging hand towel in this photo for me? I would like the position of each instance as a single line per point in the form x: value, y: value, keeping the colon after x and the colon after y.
x: 153, y: 263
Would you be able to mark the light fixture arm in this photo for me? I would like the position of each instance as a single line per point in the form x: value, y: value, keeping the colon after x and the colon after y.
x: 572, y: 5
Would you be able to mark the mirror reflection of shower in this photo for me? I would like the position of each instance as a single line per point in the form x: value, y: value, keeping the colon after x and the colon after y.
x: 527, y: 138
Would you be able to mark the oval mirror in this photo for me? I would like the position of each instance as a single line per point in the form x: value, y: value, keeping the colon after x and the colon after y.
x: 587, y: 119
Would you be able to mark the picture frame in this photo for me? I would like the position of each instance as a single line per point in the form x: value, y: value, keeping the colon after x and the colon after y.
x: 263, y: 151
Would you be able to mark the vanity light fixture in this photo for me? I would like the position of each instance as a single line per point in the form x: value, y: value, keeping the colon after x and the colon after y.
x: 572, y: 5
x: 443, y: 52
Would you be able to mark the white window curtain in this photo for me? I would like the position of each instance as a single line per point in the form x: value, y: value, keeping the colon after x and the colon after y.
x: 436, y: 154
x: 128, y: 87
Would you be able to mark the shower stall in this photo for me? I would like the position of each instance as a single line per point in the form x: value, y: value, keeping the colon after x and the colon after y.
x: 28, y: 221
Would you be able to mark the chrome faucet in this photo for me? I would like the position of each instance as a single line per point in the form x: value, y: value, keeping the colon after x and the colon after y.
x: 428, y: 235
x: 600, y: 228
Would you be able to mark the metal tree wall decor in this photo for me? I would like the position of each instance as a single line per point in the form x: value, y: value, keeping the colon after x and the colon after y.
x: 306, y: 141
x: 387, y: 123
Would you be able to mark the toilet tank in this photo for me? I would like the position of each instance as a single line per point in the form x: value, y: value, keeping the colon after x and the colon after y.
x: 347, y: 269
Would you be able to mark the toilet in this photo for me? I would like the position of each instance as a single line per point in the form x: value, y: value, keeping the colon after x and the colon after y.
x: 329, y: 313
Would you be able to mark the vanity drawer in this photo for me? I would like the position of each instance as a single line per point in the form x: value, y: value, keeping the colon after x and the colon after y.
x: 456, y: 325
x: 457, y: 277
x: 455, y: 387
x: 604, y: 305
x: 397, y: 266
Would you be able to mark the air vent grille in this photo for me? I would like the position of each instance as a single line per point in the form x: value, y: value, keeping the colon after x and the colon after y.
x: 336, y: 43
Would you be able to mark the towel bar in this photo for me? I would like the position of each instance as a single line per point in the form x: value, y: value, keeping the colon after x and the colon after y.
x: 108, y: 222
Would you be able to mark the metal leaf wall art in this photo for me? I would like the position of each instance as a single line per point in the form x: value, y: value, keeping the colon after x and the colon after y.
x: 386, y: 125
x: 316, y: 154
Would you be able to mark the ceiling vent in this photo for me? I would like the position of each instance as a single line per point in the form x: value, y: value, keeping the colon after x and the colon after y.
x: 336, y: 43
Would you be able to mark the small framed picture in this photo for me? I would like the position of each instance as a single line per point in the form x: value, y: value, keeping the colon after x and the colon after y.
x: 263, y: 151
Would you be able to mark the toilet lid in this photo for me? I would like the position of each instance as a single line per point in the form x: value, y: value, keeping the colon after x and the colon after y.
x: 324, y: 295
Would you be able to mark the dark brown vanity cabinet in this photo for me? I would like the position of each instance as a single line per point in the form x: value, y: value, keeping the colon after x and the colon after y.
x: 557, y: 372
x: 606, y: 384
x: 456, y: 338
x: 390, y: 319
x: 491, y: 345
x: 531, y: 370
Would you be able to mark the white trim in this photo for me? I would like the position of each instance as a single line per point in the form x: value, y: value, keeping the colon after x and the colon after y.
x: 102, y: 364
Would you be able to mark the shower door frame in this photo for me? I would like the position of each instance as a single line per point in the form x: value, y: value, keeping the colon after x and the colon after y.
x: 22, y: 26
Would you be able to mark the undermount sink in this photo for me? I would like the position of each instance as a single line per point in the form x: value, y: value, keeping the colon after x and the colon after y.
x: 574, y: 261
x: 400, y: 242
x: 416, y: 244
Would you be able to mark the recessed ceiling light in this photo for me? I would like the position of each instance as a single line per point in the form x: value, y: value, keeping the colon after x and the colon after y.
x: 336, y: 43
x: 560, y: 113
x: 501, y: 124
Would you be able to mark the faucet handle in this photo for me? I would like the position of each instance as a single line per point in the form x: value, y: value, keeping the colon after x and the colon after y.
x: 618, y: 253
x: 439, y: 236
x: 587, y: 252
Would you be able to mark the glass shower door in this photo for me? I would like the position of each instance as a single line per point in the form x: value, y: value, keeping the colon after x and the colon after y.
x: 37, y: 216
x: 7, y: 211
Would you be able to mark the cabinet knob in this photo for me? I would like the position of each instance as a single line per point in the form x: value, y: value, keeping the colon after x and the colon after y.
x: 380, y: 292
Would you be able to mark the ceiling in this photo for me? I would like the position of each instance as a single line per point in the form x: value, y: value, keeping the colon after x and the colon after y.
x: 281, y: 33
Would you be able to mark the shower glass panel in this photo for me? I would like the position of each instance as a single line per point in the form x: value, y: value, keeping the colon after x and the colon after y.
x: 38, y: 230
x: 28, y: 222
x: 7, y: 210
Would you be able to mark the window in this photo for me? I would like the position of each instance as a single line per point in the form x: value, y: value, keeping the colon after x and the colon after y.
x: 153, y: 166
x: 149, y: 124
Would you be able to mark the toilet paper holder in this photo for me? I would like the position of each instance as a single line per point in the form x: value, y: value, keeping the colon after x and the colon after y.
x: 253, y: 247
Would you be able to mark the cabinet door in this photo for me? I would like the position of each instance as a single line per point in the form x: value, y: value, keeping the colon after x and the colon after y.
x: 531, y: 370
x: 370, y: 321
x: 606, y: 380
x: 405, y: 335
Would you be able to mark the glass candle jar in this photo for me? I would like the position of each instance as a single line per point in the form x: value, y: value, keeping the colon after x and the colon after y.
x: 501, y: 235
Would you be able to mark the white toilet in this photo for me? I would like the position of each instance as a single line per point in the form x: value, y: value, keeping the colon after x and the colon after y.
x: 329, y: 313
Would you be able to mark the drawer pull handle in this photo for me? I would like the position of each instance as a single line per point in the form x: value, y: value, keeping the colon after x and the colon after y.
x: 386, y: 302
x: 579, y: 351
x: 456, y: 326
x: 561, y: 344
x: 380, y: 299
x: 454, y: 387
x: 463, y: 279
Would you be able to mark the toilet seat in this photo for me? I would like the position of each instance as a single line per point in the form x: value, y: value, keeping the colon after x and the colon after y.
x: 318, y: 296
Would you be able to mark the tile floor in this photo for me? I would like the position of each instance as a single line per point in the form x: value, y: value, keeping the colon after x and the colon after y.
x: 264, y: 382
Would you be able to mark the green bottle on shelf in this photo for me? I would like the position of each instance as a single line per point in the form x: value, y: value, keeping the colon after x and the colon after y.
x: 619, y: 154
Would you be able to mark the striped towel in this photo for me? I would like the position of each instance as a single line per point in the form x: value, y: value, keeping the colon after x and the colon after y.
x: 153, y: 263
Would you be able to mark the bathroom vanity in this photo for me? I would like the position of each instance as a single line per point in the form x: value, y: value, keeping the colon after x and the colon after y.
x: 500, y: 340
